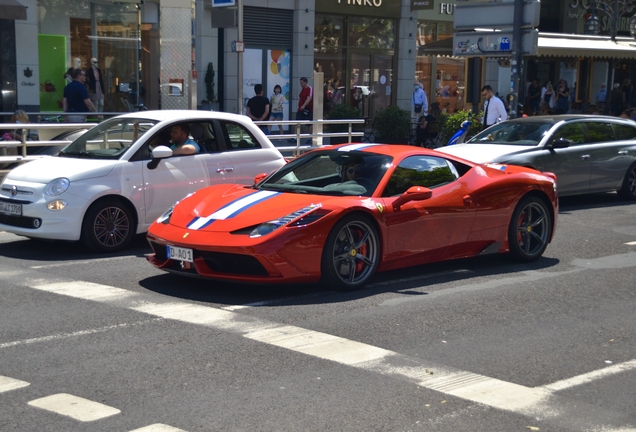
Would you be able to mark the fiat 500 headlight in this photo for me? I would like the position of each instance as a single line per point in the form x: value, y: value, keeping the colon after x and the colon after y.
x: 57, y: 187
x: 268, y: 227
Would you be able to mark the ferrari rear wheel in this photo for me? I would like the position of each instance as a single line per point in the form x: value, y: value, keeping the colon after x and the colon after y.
x: 628, y: 190
x: 351, y: 254
x: 108, y: 226
x: 530, y: 229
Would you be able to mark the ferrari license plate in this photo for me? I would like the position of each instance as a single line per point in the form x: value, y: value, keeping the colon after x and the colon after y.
x: 11, y: 209
x: 180, y: 254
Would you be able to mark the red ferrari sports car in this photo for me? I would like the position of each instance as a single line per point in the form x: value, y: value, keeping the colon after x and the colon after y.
x: 341, y: 213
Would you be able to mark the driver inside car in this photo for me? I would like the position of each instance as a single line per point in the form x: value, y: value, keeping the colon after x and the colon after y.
x: 181, y: 142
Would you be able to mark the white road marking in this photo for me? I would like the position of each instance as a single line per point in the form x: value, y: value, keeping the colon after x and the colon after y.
x: 590, y: 376
x: 83, y: 262
x: 8, y: 384
x: 538, y: 402
x: 75, y: 407
x: 75, y: 334
x: 158, y: 427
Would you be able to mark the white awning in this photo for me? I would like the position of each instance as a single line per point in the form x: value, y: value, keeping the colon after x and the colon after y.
x: 559, y: 45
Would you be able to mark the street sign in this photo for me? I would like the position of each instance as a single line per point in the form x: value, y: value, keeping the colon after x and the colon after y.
x: 493, y: 44
x: 471, y: 15
x: 222, y: 3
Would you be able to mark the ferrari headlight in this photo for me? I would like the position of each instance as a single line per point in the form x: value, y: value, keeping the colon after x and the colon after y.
x: 57, y: 187
x: 165, y: 218
x: 268, y: 227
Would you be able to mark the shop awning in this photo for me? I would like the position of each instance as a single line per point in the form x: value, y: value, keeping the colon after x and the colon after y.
x: 13, y: 10
x: 442, y: 47
x: 557, y: 45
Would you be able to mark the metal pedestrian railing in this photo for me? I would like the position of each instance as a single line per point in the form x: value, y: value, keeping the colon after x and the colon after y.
x: 14, y: 151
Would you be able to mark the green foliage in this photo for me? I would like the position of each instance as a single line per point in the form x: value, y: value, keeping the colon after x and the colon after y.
x: 209, y: 83
x: 343, y: 112
x: 392, y: 124
x: 451, y: 123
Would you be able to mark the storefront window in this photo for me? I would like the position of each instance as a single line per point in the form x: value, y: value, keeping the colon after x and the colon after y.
x: 443, y: 77
x: 74, y: 32
x: 371, y: 33
x: 355, y: 54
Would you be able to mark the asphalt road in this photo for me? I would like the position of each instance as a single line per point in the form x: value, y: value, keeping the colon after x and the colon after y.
x: 93, y: 343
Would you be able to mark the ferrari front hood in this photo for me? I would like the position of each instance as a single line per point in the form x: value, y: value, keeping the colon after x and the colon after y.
x: 226, y: 208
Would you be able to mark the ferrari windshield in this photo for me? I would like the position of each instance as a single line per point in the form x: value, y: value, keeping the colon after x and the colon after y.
x: 333, y: 173
x: 109, y: 139
x: 524, y: 133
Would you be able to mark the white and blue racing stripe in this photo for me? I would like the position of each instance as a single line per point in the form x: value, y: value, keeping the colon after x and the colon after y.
x: 353, y: 147
x: 231, y: 209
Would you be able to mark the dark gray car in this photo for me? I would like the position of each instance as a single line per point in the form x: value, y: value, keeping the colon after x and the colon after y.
x: 587, y: 153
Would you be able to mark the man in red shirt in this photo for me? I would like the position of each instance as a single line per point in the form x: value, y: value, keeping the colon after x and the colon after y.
x: 305, y: 104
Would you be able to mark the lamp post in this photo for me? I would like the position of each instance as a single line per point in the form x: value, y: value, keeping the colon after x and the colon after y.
x: 614, y: 10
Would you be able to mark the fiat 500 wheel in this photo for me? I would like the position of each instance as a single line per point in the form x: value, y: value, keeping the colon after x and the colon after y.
x: 351, y: 254
x: 628, y: 190
x: 530, y: 229
x: 107, y: 227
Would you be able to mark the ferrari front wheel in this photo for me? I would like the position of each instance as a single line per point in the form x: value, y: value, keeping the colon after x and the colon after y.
x: 351, y: 254
x: 530, y: 229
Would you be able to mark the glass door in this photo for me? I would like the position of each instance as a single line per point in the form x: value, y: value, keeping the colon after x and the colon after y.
x: 371, y: 80
x: 360, y: 77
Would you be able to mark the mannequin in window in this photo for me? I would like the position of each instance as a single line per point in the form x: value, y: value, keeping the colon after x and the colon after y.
x: 95, y: 80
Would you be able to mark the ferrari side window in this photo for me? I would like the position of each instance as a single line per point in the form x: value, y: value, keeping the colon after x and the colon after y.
x: 427, y: 171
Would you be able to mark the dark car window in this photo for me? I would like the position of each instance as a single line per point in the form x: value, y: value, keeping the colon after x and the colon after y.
x: 427, y: 171
x: 571, y: 131
x: 624, y: 132
x: 598, y: 132
x: 237, y: 137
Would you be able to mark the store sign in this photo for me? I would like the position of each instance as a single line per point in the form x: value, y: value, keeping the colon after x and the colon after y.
x: 373, y: 3
x: 422, y: 4
x: 379, y: 8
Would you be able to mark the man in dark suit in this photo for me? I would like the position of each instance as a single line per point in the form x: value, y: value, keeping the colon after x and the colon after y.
x: 95, y: 81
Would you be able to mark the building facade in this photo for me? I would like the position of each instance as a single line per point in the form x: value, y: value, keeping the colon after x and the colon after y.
x: 156, y: 53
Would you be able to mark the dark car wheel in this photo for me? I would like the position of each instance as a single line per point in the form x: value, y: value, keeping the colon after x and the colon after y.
x: 351, y: 254
x: 108, y: 226
x: 628, y: 190
x: 530, y: 229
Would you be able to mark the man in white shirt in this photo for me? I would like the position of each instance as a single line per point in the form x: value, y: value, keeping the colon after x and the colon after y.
x: 494, y: 109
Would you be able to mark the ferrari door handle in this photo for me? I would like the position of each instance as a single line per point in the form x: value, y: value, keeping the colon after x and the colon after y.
x: 585, y: 157
x: 468, y: 201
x: 623, y: 152
x: 224, y: 170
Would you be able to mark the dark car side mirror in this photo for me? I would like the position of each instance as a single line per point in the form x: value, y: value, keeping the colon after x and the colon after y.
x: 559, y: 143
x: 414, y: 193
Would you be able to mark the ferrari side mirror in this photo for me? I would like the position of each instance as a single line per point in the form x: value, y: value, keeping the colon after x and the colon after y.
x: 414, y: 193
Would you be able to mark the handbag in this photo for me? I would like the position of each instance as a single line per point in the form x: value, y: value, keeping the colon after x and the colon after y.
x: 418, y: 108
x: 48, y: 87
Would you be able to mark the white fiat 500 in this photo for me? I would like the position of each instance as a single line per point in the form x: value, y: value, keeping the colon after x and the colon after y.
x: 116, y: 179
